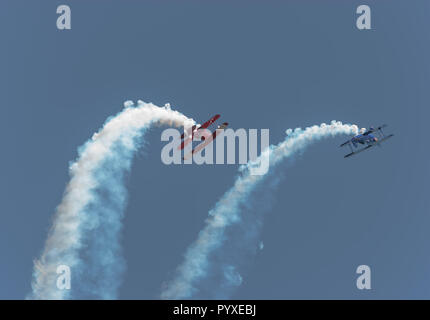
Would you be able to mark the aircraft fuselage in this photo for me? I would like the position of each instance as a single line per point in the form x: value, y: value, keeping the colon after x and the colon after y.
x: 364, y: 139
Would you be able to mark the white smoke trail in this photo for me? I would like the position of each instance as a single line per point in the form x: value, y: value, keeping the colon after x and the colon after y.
x: 86, y: 226
x: 209, y: 254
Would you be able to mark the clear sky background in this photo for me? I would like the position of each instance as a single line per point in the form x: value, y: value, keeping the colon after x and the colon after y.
x: 260, y: 64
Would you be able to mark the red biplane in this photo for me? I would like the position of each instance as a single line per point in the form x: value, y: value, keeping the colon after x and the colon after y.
x: 195, y: 131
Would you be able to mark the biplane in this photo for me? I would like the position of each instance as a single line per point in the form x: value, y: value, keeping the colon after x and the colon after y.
x: 196, y: 132
x: 367, y: 139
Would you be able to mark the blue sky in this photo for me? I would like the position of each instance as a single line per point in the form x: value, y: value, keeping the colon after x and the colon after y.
x: 276, y: 65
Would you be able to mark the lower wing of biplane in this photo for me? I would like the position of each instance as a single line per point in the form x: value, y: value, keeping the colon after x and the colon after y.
x: 370, y: 142
x: 357, y: 151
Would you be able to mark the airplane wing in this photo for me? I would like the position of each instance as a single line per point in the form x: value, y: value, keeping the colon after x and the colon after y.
x: 385, y: 138
x: 345, y: 143
x: 371, y: 129
x: 199, y: 147
x: 358, y: 151
x: 184, y: 143
x: 209, y: 122
x: 381, y: 127
x: 369, y: 146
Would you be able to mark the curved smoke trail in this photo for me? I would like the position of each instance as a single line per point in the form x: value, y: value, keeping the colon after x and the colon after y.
x: 87, y: 223
x: 211, y: 257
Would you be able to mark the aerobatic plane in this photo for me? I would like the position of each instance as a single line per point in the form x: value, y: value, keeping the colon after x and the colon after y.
x: 367, y: 139
x: 194, y: 131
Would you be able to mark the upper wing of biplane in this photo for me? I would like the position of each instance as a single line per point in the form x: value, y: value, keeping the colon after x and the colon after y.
x: 371, y: 129
x: 345, y: 143
x: 209, y: 122
x: 385, y: 138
